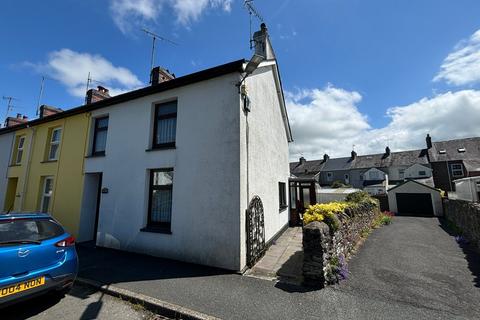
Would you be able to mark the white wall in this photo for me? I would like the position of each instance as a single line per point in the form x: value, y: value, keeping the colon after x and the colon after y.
x: 467, y: 189
x: 6, y: 142
x: 414, y: 171
x: 413, y: 187
x: 206, y: 186
x: 268, y: 162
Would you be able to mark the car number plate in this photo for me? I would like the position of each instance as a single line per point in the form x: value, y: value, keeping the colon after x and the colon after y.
x: 22, y: 286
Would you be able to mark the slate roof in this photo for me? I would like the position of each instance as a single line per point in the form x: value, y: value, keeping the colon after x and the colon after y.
x: 307, y: 169
x: 402, y: 158
x: 471, y: 145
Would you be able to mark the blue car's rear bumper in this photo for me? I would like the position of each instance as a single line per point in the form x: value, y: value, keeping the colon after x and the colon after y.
x: 58, y: 276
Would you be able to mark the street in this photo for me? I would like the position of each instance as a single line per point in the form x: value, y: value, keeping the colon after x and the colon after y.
x: 81, y: 303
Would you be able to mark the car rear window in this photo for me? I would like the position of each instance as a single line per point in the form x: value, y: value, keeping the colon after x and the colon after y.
x: 29, y: 229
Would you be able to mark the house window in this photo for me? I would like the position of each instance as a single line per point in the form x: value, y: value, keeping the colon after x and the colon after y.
x: 282, y: 195
x: 457, y: 170
x: 47, y: 189
x: 100, y: 136
x: 329, y: 176
x: 401, y: 173
x: 160, y: 206
x: 20, y: 145
x: 54, y: 144
x: 422, y: 173
x: 165, y: 126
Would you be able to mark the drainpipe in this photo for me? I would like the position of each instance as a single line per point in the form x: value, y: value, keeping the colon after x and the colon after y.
x: 27, y: 169
x: 449, y: 177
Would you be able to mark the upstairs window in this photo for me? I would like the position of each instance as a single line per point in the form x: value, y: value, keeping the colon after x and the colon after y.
x: 329, y: 176
x: 20, y: 146
x: 54, y: 144
x: 282, y: 195
x: 422, y: 173
x: 100, y: 136
x: 457, y: 169
x: 165, y: 126
x: 401, y: 173
x: 160, y: 207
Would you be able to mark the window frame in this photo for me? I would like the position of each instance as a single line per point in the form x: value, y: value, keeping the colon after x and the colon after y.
x: 282, y: 196
x: 422, y: 173
x: 44, y: 195
x: 401, y: 173
x: 162, y: 227
x: 19, y: 150
x: 453, y: 170
x: 52, y: 143
x: 156, y: 118
x: 329, y: 176
x: 96, y: 129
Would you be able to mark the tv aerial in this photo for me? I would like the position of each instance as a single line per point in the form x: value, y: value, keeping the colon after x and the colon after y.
x: 252, y: 11
x: 154, y: 39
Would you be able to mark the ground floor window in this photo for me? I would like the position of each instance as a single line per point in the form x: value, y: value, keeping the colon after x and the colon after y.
x: 160, y: 204
x: 282, y: 195
x: 46, y: 197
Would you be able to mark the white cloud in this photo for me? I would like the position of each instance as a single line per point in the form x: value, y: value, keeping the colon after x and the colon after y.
x: 129, y: 13
x: 71, y: 68
x: 462, y: 66
x: 328, y: 120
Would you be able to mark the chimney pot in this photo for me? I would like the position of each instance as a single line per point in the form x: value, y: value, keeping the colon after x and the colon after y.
x: 428, y: 139
x: 302, y: 160
x: 159, y: 75
x: 354, y: 155
x: 387, y: 151
x: 326, y: 157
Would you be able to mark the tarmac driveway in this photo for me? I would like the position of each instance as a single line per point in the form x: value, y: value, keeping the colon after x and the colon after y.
x: 412, y: 269
x: 416, y: 264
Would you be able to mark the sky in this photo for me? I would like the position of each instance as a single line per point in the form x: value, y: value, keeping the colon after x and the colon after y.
x: 359, y: 74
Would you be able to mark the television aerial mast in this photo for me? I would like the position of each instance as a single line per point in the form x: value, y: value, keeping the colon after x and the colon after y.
x: 154, y: 39
x: 252, y: 11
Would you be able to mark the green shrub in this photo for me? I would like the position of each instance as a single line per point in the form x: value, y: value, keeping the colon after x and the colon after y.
x: 357, y: 197
x: 339, y: 184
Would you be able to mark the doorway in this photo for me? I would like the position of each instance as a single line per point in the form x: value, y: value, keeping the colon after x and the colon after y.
x: 90, y: 214
x: 11, y: 194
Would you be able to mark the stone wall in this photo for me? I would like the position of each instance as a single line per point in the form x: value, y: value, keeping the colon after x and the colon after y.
x: 466, y: 216
x: 326, y: 252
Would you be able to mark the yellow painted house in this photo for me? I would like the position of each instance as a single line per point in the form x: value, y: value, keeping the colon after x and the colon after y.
x: 45, y: 171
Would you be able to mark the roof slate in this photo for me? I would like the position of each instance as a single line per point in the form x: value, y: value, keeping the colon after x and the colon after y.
x: 471, y: 145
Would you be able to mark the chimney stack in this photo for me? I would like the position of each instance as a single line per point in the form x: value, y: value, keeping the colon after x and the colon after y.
x: 326, y: 157
x: 159, y: 75
x: 46, y: 111
x: 354, y: 155
x: 263, y: 46
x: 387, y: 151
x: 428, y: 139
x: 95, y: 95
x: 302, y: 160
x: 15, y: 121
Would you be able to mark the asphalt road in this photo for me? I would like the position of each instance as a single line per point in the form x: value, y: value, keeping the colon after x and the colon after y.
x: 81, y: 303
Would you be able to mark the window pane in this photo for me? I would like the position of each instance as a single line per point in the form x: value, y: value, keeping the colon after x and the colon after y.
x: 53, y: 152
x: 29, y: 230
x: 19, y: 156
x: 100, y: 141
x: 56, y: 135
x: 21, y: 142
x: 166, y: 130
x: 48, y: 186
x: 102, y: 123
x: 162, y: 178
x: 167, y: 108
x: 161, y: 206
x: 45, y: 203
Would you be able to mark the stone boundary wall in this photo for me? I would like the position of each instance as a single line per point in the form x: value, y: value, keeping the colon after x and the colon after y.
x: 466, y: 216
x: 326, y: 252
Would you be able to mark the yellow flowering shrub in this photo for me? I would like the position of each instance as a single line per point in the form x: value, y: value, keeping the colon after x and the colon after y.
x: 323, y: 211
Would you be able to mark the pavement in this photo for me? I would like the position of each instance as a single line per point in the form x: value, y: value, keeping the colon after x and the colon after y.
x: 81, y: 303
x: 283, y: 260
x: 412, y: 269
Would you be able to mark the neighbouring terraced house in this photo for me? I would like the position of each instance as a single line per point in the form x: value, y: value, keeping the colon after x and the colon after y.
x: 438, y: 165
x: 193, y: 168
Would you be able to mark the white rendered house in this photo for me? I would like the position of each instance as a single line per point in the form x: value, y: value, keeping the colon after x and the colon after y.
x: 173, y: 167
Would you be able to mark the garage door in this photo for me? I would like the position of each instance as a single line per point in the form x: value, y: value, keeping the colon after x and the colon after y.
x: 418, y: 204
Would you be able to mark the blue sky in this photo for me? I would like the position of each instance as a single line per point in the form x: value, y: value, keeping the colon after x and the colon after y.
x: 356, y: 72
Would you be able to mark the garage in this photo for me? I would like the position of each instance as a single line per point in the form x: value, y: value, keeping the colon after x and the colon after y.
x: 417, y: 204
x: 415, y: 199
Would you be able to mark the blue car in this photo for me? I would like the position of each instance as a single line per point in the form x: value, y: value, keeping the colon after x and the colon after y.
x: 36, y: 256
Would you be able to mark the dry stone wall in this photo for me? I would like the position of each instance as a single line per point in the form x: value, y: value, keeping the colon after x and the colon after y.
x: 466, y: 216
